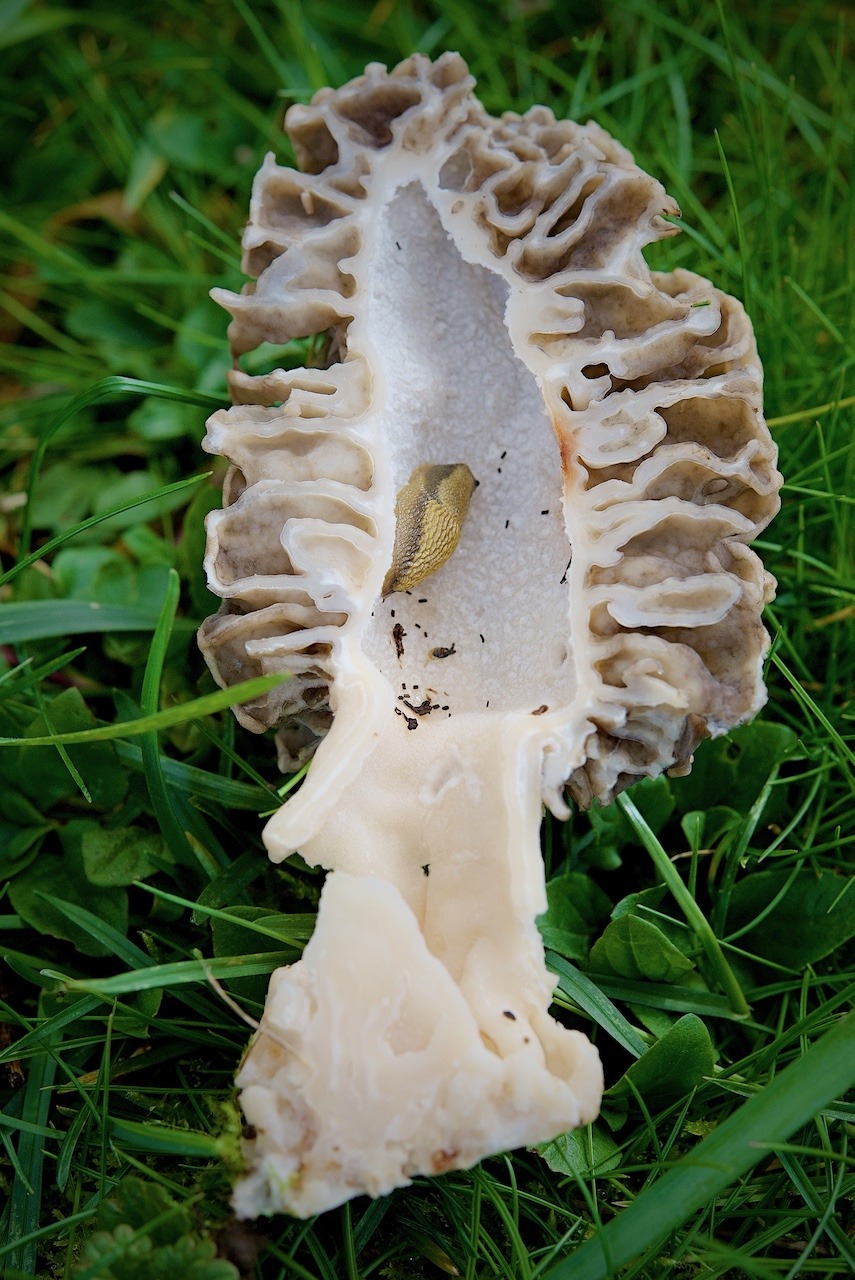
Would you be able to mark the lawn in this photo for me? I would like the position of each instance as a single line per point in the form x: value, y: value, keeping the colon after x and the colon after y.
x: 697, y: 928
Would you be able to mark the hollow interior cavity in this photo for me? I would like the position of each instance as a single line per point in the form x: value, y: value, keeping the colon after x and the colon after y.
x: 451, y: 389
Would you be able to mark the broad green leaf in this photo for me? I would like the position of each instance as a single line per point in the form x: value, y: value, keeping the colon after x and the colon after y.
x: 629, y: 905
x: 19, y: 846
x: 166, y: 420
x: 670, y: 1068
x: 52, y: 876
x: 147, y: 547
x: 201, y: 143
x: 40, y: 771
x: 146, y: 1006
x: 230, y: 885
x: 109, y: 388
x: 653, y: 905
x: 576, y: 909
x: 66, y: 494
x: 657, y: 1021
x: 635, y: 948
x: 231, y: 939
x: 146, y: 171
x: 581, y: 1153
x: 13, y: 805
x: 808, y: 919
x: 93, y: 573
x: 115, y: 329
x: 612, y: 831
x: 119, y: 855
x: 733, y: 770
x: 705, y: 829
x: 654, y: 800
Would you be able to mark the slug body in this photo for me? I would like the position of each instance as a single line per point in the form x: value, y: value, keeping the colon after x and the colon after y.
x: 429, y: 514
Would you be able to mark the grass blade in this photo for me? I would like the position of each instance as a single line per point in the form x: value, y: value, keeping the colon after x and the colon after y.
x: 43, y: 619
x: 577, y: 987
x: 107, y: 514
x: 26, y: 1196
x: 164, y: 810
x: 205, y: 706
x: 201, y: 783
x: 160, y: 1139
x: 175, y: 974
x: 796, y: 1094
x: 111, y: 388
x: 689, y: 907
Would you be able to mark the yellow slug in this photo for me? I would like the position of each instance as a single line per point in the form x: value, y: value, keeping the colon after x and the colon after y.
x: 429, y: 512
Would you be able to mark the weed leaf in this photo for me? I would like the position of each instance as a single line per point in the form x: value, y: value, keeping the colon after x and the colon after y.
x: 800, y: 919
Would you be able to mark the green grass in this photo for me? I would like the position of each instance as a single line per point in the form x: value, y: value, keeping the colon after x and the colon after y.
x: 131, y: 869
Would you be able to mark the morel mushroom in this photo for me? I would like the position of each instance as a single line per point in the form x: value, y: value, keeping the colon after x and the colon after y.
x: 488, y: 306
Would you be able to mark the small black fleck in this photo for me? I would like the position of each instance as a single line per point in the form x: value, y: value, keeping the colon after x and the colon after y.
x: 506, y: 1013
x: 412, y: 723
x: 564, y: 575
x: 546, y: 512
x: 408, y: 593
x: 415, y: 686
x: 488, y: 702
x: 483, y: 641
x: 391, y: 612
x: 422, y: 600
x: 398, y: 634
x: 249, y: 1132
x: 499, y: 469
x: 423, y: 709
x: 445, y: 708
x: 504, y: 453
x: 507, y: 522
x: 426, y: 868
x: 397, y: 246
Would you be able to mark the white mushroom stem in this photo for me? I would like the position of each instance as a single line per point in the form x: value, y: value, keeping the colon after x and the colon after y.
x: 413, y: 1035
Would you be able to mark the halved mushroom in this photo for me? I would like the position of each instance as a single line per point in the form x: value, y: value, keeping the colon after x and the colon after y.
x: 489, y: 305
